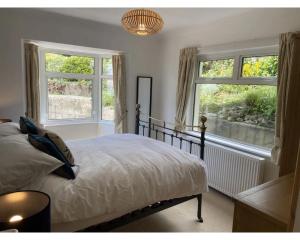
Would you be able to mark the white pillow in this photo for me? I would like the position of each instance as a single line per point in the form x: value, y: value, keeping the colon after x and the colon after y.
x: 8, y: 129
x: 22, y: 164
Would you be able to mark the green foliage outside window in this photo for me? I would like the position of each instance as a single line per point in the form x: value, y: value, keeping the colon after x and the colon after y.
x: 252, y: 67
x: 255, y: 104
x: 77, y: 91
x: 69, y: 64
x: 216, y: 68
x: 77, y: 65
x: 260, y: 66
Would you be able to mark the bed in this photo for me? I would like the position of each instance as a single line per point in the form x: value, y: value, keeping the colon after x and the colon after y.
x: 124, y: 177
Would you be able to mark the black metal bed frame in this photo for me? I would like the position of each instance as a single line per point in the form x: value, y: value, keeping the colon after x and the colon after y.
x: 163, y: 131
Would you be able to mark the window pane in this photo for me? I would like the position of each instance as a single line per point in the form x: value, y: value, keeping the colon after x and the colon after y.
x: 108, y: 99
x: 69, y: 63
x: 107, y: 66
x: 216, y: 68
x: 69, y: 98
x: 241, y: 112
x: 260, y: 66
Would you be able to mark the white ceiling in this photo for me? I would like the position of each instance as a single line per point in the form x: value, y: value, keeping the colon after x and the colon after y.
x: 174, y: 18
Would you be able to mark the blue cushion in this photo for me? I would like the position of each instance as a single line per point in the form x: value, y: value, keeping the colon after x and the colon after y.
x: 28, y: 126
x: 47, y: 146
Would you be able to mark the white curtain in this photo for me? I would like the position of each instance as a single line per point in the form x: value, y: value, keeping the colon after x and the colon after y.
x: 287, y: 131
x: 32, y: 82
x: 186, y: 73
x: 119, y: 82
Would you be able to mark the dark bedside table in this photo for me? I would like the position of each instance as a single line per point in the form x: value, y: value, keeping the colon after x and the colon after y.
x: 4, y: 120
x: 26, y: 211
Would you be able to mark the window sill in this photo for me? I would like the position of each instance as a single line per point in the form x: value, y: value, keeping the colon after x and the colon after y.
x: 247, y: 148
x: 76, y: 122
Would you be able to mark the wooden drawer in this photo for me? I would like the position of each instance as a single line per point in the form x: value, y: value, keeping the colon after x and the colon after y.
x: 247, y: 219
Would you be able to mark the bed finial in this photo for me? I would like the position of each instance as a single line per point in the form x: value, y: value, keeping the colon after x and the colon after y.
x: 138, y: 107
x: 202, y: 120
x: 137, y: 118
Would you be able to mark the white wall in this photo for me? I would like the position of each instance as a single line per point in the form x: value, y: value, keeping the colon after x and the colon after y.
x: 76, y: 131
x: 18, y: 24
x: 82, y: 130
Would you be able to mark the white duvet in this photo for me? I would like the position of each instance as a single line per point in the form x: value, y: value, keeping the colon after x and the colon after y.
x: 118, y: 174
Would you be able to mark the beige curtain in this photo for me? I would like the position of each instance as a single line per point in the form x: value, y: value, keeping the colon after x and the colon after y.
x: 119, y: 82
x: 287, y: 131
x: 186, y: 73
x: 32, y: 82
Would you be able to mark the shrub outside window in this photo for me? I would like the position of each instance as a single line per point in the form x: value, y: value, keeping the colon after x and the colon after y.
x: 265, y: 66
x: 216, y: 68
x: 243, y: 107
x: 63, y: 63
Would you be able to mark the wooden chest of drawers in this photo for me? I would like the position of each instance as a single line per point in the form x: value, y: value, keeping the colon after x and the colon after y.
x: 265, y: 208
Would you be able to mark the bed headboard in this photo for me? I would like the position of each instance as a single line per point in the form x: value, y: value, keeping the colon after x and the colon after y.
x: 158, y: 129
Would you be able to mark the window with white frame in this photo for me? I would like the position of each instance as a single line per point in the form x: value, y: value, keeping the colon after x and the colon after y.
x: 237, y: 92
x: 75, y: 86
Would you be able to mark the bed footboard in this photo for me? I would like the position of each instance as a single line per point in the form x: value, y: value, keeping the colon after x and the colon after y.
x: 162, y: 132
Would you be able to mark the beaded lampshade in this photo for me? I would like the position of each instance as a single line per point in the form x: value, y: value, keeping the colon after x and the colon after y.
x: 142, y: 22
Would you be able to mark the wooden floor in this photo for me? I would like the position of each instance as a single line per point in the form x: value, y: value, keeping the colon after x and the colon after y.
x: 217, y: 215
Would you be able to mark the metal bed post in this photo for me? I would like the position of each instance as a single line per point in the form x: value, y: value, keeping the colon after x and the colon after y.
x: 199, y: 212
x: 149, y: 127
x: 137, y: 119
x: 164, y: 134
x: 202, y: 128
x: 202, y: 120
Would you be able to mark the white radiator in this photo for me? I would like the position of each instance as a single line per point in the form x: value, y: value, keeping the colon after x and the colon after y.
x: 231, y: 171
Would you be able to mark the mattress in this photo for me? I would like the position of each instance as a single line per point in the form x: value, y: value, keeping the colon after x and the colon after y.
x: 118, y: 174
